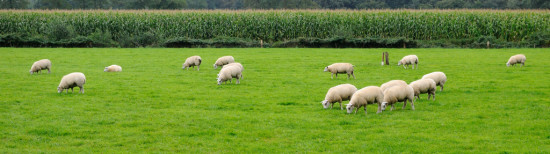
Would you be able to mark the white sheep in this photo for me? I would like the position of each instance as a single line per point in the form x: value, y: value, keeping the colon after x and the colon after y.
x: 519, y: 58
x: 338, y: 94
x: 340, y: 68
x: 398, y: 94
x: 409, y: 60
x: 113, y: 68
x: 228, y: 73
x: 423, y: 86
x: 392, y: 83
x: 40, y: 65
x: 72, y: 80
x: 237, y: 65
x: 364, y: 96
x: 223, y: 61
x: 192, y: 62
x: 439, y: 77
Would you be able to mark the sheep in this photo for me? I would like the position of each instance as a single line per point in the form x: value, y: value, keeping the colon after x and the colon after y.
x: 229, y: 72
x: 398, y: 94
x: 113, y: 68
x: 72, y: 80
x: 519, y: 58
x: 224, y: 61
x: 192, y: 62
x: 392, y: 83
x: 338, y: 94
x: 340, y: 68
x: 40, y: 65
x: 409, y: 60
x: 423, y: 86
x: 235, y: 64
x: 364, y: 96
x: 439, y: 77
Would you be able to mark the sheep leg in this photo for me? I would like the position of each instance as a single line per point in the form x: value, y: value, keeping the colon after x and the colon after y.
x: 357, y: 108
x: 331, y: 75
x: 336, y: 74
x: 49, y: 71
x: 340, y: 102
x: 379, y: 108
x: 412, y: 104
x: 353, y: 74
x: 198, y: 68
x: 72, y: 90
x: 365, y: 109
x: 238, y: 81
x: 331, y: 105
x: 348, y: 76
x: 404, y: 104
x: 81, y: 89
x: 392, y: 107
x: 441, y: 87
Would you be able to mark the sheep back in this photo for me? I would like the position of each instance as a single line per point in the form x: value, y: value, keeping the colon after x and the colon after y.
x: 341, y: 92
x: 76, y: 79
x: 113, y: 68
x: 392, y: 83
x: 41, y: 65
x: 439, y: 77
x: 423, y: 86
x: 223, y: 61
x: 367, y: 95
x: 340, y: 68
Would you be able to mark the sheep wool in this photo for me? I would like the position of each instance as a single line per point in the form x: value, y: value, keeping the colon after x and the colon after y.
x: 364, y: 96
x: 515, y: 59
x: 340, y: 68
x: 228, y: 73
x: 72, y: 80
x: 338, y: 94
x: 392, y: 83
x: 409, y: 60
x: 439, y: 77
x: 423, y: 86
x: 239, y: 65
x: 192, y: 62
x: 398, y: 94
x: 113, y: 68
x: 40, y: 65
x: 224, y: 61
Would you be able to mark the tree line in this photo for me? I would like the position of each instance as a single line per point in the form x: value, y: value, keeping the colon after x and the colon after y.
x: 274, y: 4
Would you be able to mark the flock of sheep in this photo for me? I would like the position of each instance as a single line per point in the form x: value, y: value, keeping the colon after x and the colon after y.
x: 230, y: 70
x: 387, y: 94
x: 390, y: 92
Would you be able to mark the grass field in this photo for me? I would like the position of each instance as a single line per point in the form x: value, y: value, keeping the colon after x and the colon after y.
x: 155, y: 106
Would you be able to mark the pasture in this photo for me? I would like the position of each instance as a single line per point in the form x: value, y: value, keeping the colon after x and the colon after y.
x: 155, y: 106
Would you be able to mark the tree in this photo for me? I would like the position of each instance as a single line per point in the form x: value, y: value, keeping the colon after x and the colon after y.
x: 14, y: 4
x: 52, y: 4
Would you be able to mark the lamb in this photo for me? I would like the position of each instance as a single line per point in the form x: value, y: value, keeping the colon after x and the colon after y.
x: 409, y: 60
x: 40, y: 65
x: 113, y: 68
x: 439, y: 77
x: 224, y: 61
x: 392, y: 83
x: 340, y: 68
x: 192, y: 62
x: 423, y: 86
x: 398, y: 94
x: 338, y: 94
x: 72, y: 80
x: 519, y: 58
x: 364, y: 96
x: 228, y: 73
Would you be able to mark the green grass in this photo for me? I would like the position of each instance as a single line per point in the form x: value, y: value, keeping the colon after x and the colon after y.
x: 155, y: 106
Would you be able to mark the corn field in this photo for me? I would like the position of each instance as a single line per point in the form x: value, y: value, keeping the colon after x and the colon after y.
x: 283, y: 25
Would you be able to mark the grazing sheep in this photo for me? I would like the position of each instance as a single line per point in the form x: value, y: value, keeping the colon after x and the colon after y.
x: 338, y: 94
x: 409, y: 60
x: 223, y: 61
x: 192, y: 62
x: 423, y: 86
x: 228, y: 73
x: 398, y: 94
x: 392, y: 83
x: 439, y: 77
x: 519, y: 58
x: 235, y: 64
x: 40, y: 65
x: 364, y: 96
x: 72, y: 80
x: 340, y: 68
x: 113, y: 68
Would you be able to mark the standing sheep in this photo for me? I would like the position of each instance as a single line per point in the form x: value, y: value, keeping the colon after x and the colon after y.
x: 439, y: 77
x: 398, y: 94
x: 423, y: 86
x: 392, y: 83
x: 519, y: 58
x: 364, y: 96
x: 40, y: 65
x: 72, y: 80
x: 192, y: 62
x: 340, y: 68
x: 223, y: 61
x: 113, y: 68
x: 239, y: 65
x: 228, y: 73
x: 338, y: 94
x: 409, y: 60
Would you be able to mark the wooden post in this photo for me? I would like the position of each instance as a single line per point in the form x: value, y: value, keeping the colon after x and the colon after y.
x: 385, y: 58
x: 261, y: 43
x: 488, y: 44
